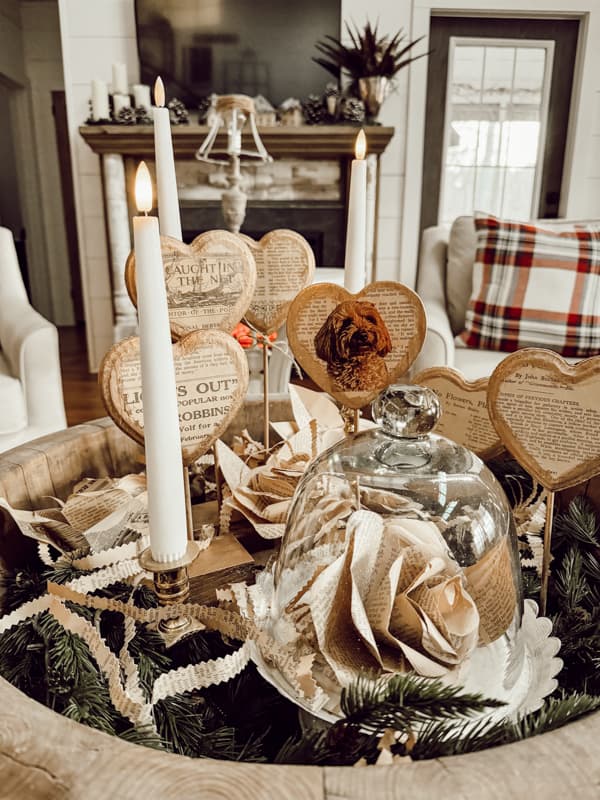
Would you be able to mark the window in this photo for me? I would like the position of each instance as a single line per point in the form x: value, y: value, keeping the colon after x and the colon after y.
x: 494, y: 129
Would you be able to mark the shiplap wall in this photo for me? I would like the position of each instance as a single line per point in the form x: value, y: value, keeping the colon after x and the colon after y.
x: 94, y: 36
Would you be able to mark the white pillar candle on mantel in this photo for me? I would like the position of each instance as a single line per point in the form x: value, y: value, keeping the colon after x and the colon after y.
x: 120, y: 101
x: 356, y: 231
x: 119, y: 79
x: 141, y: 95
x: 100, y: 108
x: 166, y: 180
x: 164, y: 468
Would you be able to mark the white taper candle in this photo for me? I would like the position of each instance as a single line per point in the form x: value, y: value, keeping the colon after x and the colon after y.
x: 164, y: 472
x: 356, y: 231
x: 166, y: 180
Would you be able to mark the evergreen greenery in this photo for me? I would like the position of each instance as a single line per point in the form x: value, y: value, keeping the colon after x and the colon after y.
x: 247, y: 719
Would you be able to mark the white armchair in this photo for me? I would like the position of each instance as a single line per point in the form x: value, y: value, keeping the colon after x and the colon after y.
x: 444, y: 285
x: 31, y: 398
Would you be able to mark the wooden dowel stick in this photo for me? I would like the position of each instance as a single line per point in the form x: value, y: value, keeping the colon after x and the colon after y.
x: 547, y: 551
x: 266, y: 391
x: 218, y: 486
x: 188, y: 503
x: 351, y: 417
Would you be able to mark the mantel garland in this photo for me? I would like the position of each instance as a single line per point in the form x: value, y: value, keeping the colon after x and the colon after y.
x: 246, y: 719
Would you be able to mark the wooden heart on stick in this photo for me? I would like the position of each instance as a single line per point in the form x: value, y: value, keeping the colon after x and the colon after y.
x: 464, y: 417
x: 211, y: 372
x: 285, y: 264
x: 547, y: 414
x: 209, y: 282
x: 354, y: 345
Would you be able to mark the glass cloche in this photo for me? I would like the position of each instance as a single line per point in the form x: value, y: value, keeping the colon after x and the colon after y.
x: 400, y: 554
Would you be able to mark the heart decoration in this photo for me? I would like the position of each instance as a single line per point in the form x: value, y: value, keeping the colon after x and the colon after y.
x: 209, y: 282
x: 285, y: 264
x: 354, y: 345
x: 547, y: 414
x: 464, y: 417
x: 211, y: 373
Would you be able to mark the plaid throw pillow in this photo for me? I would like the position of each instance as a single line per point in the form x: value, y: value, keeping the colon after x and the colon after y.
x: 534, y: 287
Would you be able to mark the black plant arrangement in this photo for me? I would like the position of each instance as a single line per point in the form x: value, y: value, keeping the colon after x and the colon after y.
x: 369, y: 54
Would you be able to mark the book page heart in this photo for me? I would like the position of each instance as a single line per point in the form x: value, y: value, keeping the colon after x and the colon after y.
x: 354, y: 345
x: 464, y: 417
x: 209, y: 282
x: 285, y: 264
x: 211, y: 372
x: 547, y: 414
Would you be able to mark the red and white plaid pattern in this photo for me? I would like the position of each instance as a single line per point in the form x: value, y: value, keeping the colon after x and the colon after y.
x: 533, y: 287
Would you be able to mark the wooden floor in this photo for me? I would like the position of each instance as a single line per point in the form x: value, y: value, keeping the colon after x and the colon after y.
x: 80, y: 387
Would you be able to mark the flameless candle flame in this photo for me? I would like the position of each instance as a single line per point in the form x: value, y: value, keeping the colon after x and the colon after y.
x: 159, y: 93
x: 143, y: 188
x: 360, y: 146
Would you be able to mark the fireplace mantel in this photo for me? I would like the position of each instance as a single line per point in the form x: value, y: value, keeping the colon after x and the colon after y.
x: 121, y: 146
x: 301, y: 141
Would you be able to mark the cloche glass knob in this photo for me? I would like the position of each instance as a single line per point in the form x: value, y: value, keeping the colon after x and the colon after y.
x: 408, y: 412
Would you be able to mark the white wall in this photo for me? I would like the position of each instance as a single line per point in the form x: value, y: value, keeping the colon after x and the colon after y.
x: 391, y: 15
x: 44, y: 73
x: 94, y: 36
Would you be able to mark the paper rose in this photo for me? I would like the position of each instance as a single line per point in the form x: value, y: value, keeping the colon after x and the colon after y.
x: 263, y: 495
x: 392, y: 600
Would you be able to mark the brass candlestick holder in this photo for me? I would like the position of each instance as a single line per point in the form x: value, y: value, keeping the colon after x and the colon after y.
x: 172, y: 586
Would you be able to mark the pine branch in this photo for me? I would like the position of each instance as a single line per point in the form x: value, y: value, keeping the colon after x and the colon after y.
x: 63, y: 572
x: 445, y: 739
x: 20, y: 586
x: 532, y: 583
x: 578, y: 525
x: 144, y: 736
x: 303, y: 749
x: 187, y: 722
x: 569, y: 583
x: 591, y: 567
x: 89, y: 703
x: 147, y: 648
x: 405, y: 700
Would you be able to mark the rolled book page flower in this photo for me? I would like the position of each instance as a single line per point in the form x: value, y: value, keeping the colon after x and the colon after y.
x: 392, y: 600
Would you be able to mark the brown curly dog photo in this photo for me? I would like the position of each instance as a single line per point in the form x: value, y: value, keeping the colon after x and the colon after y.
x: 353, y: 341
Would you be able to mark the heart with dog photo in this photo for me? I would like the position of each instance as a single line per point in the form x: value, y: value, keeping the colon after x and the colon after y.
x: 354, y: 345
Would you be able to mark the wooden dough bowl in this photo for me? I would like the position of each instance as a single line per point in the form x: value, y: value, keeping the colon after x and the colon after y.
x: 44, y: 755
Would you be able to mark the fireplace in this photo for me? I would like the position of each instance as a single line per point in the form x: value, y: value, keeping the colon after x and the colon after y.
x: 323, y: 224
x: 305, y: 189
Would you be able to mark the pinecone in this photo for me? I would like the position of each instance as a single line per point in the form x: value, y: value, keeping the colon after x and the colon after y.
x: 126, y: 116
x: 331, y: 90
x: 331, y: 99
x: 203, y: 107
x: 315, y: 112
x: 142, y: 116
x: 352, y: 110
x: 178, y: 112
